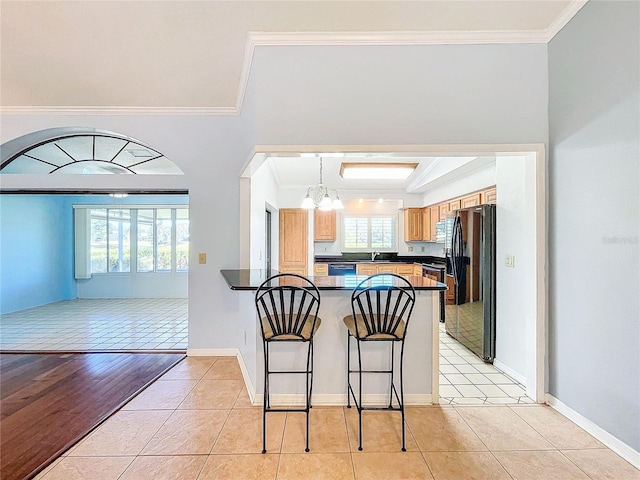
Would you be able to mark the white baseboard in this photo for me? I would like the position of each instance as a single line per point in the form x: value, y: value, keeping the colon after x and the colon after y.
x: 251, y: 389
x: 509, y: 371
x: 621, y: 448
x: 227, y: 352
x: 339, y: 399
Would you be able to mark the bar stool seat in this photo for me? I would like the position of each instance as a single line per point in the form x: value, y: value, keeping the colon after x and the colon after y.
x: 361, y: 331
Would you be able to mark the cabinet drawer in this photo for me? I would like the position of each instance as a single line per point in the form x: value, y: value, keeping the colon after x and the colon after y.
x: 320, y: 269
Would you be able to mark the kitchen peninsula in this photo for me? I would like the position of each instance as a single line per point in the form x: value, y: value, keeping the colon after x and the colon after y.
x: 330, y: 344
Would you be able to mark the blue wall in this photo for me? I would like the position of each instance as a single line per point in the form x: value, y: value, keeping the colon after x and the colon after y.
x: 594, y: 179
x: 36, y: 251
x: 36, y: 245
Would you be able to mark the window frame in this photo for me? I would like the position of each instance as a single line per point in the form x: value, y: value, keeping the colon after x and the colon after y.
x: 369, y: 248
x: 83, y: 238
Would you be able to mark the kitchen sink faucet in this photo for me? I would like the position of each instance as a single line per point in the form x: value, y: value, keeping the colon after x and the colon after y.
x: 374, y: 255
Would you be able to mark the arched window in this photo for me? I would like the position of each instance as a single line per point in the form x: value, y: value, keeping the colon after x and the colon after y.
x: 79, y: 150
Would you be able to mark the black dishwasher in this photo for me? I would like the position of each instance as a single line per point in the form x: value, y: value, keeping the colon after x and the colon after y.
x: 340, y: 269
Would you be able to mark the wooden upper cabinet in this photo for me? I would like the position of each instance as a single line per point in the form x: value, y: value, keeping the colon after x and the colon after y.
x: 293, y: 241
x: 455, y: 204
x: 435, y: 218
x: 324, y: 226
x: 489, y: 196
x: 426, y: 224
x: 443, y: 210
x: 413, y: 224
x: 470, y: 200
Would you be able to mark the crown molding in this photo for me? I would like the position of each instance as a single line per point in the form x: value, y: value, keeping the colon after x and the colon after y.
x: 564, y: 18
x: 115, y: 110
x: 256, y: 39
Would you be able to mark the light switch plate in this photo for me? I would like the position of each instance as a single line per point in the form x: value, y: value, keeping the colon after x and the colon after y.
x: 510, y: 260
x: 202, y: 258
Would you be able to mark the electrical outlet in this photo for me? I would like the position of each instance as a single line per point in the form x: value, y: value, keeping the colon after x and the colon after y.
x: 245, y: 338
x: 510, y: 261
x: 422, y: 248
x: 202, y: 258
x: 411, y: 249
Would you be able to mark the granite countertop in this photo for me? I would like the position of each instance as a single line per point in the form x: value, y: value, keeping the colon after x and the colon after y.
x: 246, y: 279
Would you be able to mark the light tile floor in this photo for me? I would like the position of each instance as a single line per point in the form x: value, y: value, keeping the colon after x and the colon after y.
x: 467, y: 380
x: 113, y: 324
x: 196, y: 422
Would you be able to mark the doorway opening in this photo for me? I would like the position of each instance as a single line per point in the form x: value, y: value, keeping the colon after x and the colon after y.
x: 520, y: 181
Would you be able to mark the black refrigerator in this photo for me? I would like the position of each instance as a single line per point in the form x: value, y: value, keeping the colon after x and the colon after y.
x: 471, y: 257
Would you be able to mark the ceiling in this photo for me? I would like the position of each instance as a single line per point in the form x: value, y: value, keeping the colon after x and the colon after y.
x: 195, y: 56
x: 296, y: 171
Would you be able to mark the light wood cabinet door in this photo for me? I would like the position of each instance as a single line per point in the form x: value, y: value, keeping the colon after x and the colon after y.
x: 489, y: 196
x: 293, y: 241
x: 470, y: 200
x: 405, y: 269
x: 443, y: 209
x: 426, y: 224
x: 450, y: 293
x: 417, y: 270
x: 320, y: 269
x: 413, y: 225
x: 324, y: 226
x: 386, y: 268
x: 455, y: 204
x: 366, y: 269
x: 434, y: 213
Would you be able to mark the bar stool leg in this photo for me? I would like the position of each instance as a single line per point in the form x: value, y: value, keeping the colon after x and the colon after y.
x: 265, y: 399
x: 402, y: 395
x: 359, y: 396
x: 348, y: 369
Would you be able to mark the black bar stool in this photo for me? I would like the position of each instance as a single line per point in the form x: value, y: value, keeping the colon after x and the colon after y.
x: 381, y: 307
x: 287, y: 307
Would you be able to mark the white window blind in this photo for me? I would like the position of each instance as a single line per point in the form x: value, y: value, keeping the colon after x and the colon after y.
x: 374, y: 232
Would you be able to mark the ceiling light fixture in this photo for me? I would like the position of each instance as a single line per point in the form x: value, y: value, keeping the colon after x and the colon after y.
x: 318, y: 197
x: 377, y: 171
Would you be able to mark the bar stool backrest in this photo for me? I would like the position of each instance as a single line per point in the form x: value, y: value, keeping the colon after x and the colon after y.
x: 287, y: 306
x: 382, y: 304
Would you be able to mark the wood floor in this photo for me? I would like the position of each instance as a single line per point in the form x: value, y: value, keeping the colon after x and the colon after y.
x: 49, y: 401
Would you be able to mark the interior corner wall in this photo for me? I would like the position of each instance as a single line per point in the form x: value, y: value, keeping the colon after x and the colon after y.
x: 36, y: 251
x: 515, y: 233
x: 594, y: 196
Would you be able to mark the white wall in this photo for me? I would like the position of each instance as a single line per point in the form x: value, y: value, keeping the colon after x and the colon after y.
x: 594, y: 178
x: 264, y: 195
x: 515, y: 235
x: 477, y: 180
x: 313, y: 96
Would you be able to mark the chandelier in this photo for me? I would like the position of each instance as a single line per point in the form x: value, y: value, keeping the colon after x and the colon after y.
x: 318, y: 197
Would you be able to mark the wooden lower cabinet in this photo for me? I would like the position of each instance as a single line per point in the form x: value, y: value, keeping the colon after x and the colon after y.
x: 387, y: 268
x: 366, y: 269
x: 320, y: 269
x: 405, y: 269
x: 450, y: 293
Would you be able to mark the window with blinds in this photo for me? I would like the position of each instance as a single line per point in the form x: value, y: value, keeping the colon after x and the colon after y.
x: 373, y: 232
